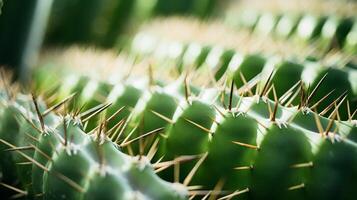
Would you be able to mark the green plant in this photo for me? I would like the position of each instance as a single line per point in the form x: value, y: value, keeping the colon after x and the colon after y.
x: 240, y: 66
x: 325, y: 25
x: 52, y: 158
x: 260, y: 126
x: 244, y: 141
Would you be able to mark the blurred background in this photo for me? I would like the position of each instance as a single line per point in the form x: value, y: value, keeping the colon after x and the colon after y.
x: 28, y: 26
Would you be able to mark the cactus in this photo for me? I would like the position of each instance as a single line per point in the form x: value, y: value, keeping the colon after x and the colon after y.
x: 228, y: 62
x: 209, y: 124
x: 243, y: 142
x: 258, y: 125
x: 54, y: 159
x: 326, y: 24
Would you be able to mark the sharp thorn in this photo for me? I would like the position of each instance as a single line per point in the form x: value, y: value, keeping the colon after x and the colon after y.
x: 155, y: 131
x: 41, y: 152
x: 289, y: 92
x: 205, y: 192
x: 244, y: 168
x: 97, y: 112
x: 266, y: 84
x: 24, y: 163
x: 330, y: 124
x: 20, y: 148
x: 338, y: 105
x: 246, y: 85
x: 129, y: 135
x: 296, y: 93
x: 115, y: 114
x: 333, y: 103
x: 89, y: 111
x: 315, y: 89
x: 206, y: 196
x: 349, y: 111
x: 272, y: 117
x: 55, y: 107
x: 323, y: 98
x: 65, y: 132
x: 296, y: 187
x: 114, y: 132
x: 111, y: 132
x: 153, y: 149
x: 25, y: 155
x: 194, y: 169
x: 318, y: 123
x: 302, y: 165
x: 246, y: 145
x: 172, y: 162
x: 177, y: 172
x: 31, y: 123
x: 353, y: 114
x: 219, y: 111
x: 187, y: 89
x: 198, y: 126
x: 40, y: 118
x: 69, y: 181
x: 234, y: 194
x: 14, y: 188
x: 218, y: 187
x: 122, y: 129
x: 162, y: 117
x: 231, y: 96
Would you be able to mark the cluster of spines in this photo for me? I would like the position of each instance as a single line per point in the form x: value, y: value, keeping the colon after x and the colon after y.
x: 262, y: 138
x: 53, y: 158
x: 222, y: 63
x: 246, y: 141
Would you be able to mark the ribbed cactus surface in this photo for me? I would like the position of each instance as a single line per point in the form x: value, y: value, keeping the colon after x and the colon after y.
x: 53, y: 158
x: 249, y: 146
x: 225, y: 62
x: 195, y: 110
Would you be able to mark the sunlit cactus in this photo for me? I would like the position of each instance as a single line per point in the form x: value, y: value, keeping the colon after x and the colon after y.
x: 235, y: 100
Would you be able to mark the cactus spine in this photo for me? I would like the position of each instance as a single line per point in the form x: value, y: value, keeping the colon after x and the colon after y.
x: 55, y: 159
x: 244, y: 141
x: 235, y: 64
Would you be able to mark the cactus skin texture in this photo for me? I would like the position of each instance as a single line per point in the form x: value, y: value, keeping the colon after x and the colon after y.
x: 340, y: 80
x: 60, y: 161
x: 251, y: 146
